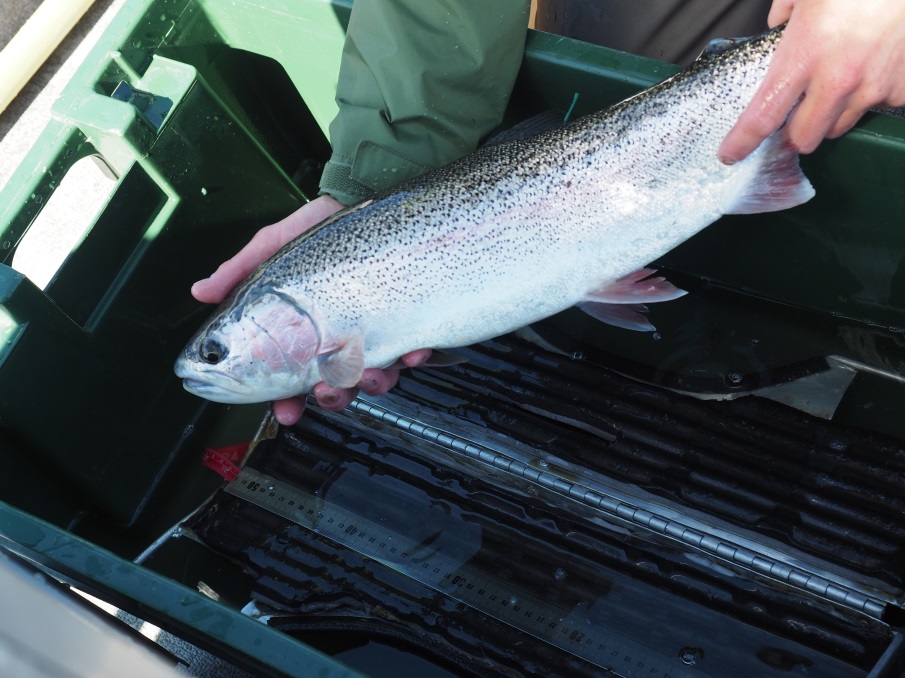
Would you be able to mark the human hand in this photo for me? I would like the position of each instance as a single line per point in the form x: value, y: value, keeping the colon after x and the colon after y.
x: 265, y: 243
x: 839, y: 57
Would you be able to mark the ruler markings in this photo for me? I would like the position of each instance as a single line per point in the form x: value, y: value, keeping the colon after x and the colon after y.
x: 568, y: 630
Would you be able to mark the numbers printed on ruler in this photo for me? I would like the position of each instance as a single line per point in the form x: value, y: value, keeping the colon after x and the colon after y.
x: 567, y: 630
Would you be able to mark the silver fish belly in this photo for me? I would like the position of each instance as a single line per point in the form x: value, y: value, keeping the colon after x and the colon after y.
x: 508, y: 235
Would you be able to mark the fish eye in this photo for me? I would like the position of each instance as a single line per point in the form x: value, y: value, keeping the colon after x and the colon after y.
x: 212, y: 351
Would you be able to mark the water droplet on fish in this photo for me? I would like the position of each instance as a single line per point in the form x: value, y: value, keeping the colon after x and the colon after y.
x: 656, y: 336
x: 560, y: 574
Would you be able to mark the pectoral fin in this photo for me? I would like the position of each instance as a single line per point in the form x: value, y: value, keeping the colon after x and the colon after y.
x: 342, y: 365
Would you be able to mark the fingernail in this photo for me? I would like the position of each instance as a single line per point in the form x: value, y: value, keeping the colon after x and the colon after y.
x: 284, y: 419
x: 329, y: 400
x: 368, y: 384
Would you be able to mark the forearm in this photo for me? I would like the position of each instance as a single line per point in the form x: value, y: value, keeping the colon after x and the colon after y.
x: 420, y: 84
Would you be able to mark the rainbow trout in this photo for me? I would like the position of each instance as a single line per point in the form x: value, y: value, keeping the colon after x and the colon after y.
x: 506, y: 236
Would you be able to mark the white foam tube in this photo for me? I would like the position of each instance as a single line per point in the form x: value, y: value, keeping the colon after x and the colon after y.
x: 35, y: 41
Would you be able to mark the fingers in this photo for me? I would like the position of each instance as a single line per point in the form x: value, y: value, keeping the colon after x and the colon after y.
x: 306, y: 216
x: 838, y: 58
x: 261, y: 247
x: 783, y: 86
x: 416, y: 358
x: 378, y: 382
x: 765, y: 114
x: 333, y: 399
x: 373, y: 382
x: 214, y: 289
x: 289, y: 411
x: 846, y: 121
x: 780, y: 11
x: 812, y: 121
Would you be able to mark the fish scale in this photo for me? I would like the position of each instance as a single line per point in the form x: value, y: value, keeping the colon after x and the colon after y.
x: 506, y: 236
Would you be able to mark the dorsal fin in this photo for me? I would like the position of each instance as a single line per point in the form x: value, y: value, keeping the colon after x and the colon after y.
x: 542, y: 122
x: 718, y: 46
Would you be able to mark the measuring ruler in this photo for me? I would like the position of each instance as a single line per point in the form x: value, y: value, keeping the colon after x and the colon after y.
x: 573, y: 631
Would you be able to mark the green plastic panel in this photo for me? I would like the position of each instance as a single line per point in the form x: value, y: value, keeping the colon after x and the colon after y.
x: 180, y: 610
x: 199, y: 168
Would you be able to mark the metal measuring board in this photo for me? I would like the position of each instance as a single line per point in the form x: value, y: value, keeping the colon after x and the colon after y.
x: 621, y: 632
x: 569, y: 630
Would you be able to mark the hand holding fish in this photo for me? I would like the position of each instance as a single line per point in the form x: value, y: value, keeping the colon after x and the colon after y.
x: 266, y: 242
x: 839, y: 58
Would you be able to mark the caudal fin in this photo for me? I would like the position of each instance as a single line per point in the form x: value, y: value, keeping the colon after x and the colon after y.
x: 777, y: 184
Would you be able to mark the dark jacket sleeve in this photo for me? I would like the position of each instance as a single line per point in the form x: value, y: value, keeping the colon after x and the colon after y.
x: 420, y: 83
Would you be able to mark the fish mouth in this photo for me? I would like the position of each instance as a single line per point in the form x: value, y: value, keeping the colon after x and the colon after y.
x: 196, y: 385
x: 231, y: 392
x: 200, y: 378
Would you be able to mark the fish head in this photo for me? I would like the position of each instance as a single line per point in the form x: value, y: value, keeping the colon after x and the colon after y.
x: 256, y: 348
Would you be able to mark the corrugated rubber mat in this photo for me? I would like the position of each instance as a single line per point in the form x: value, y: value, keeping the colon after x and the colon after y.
x: 692, y: 537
